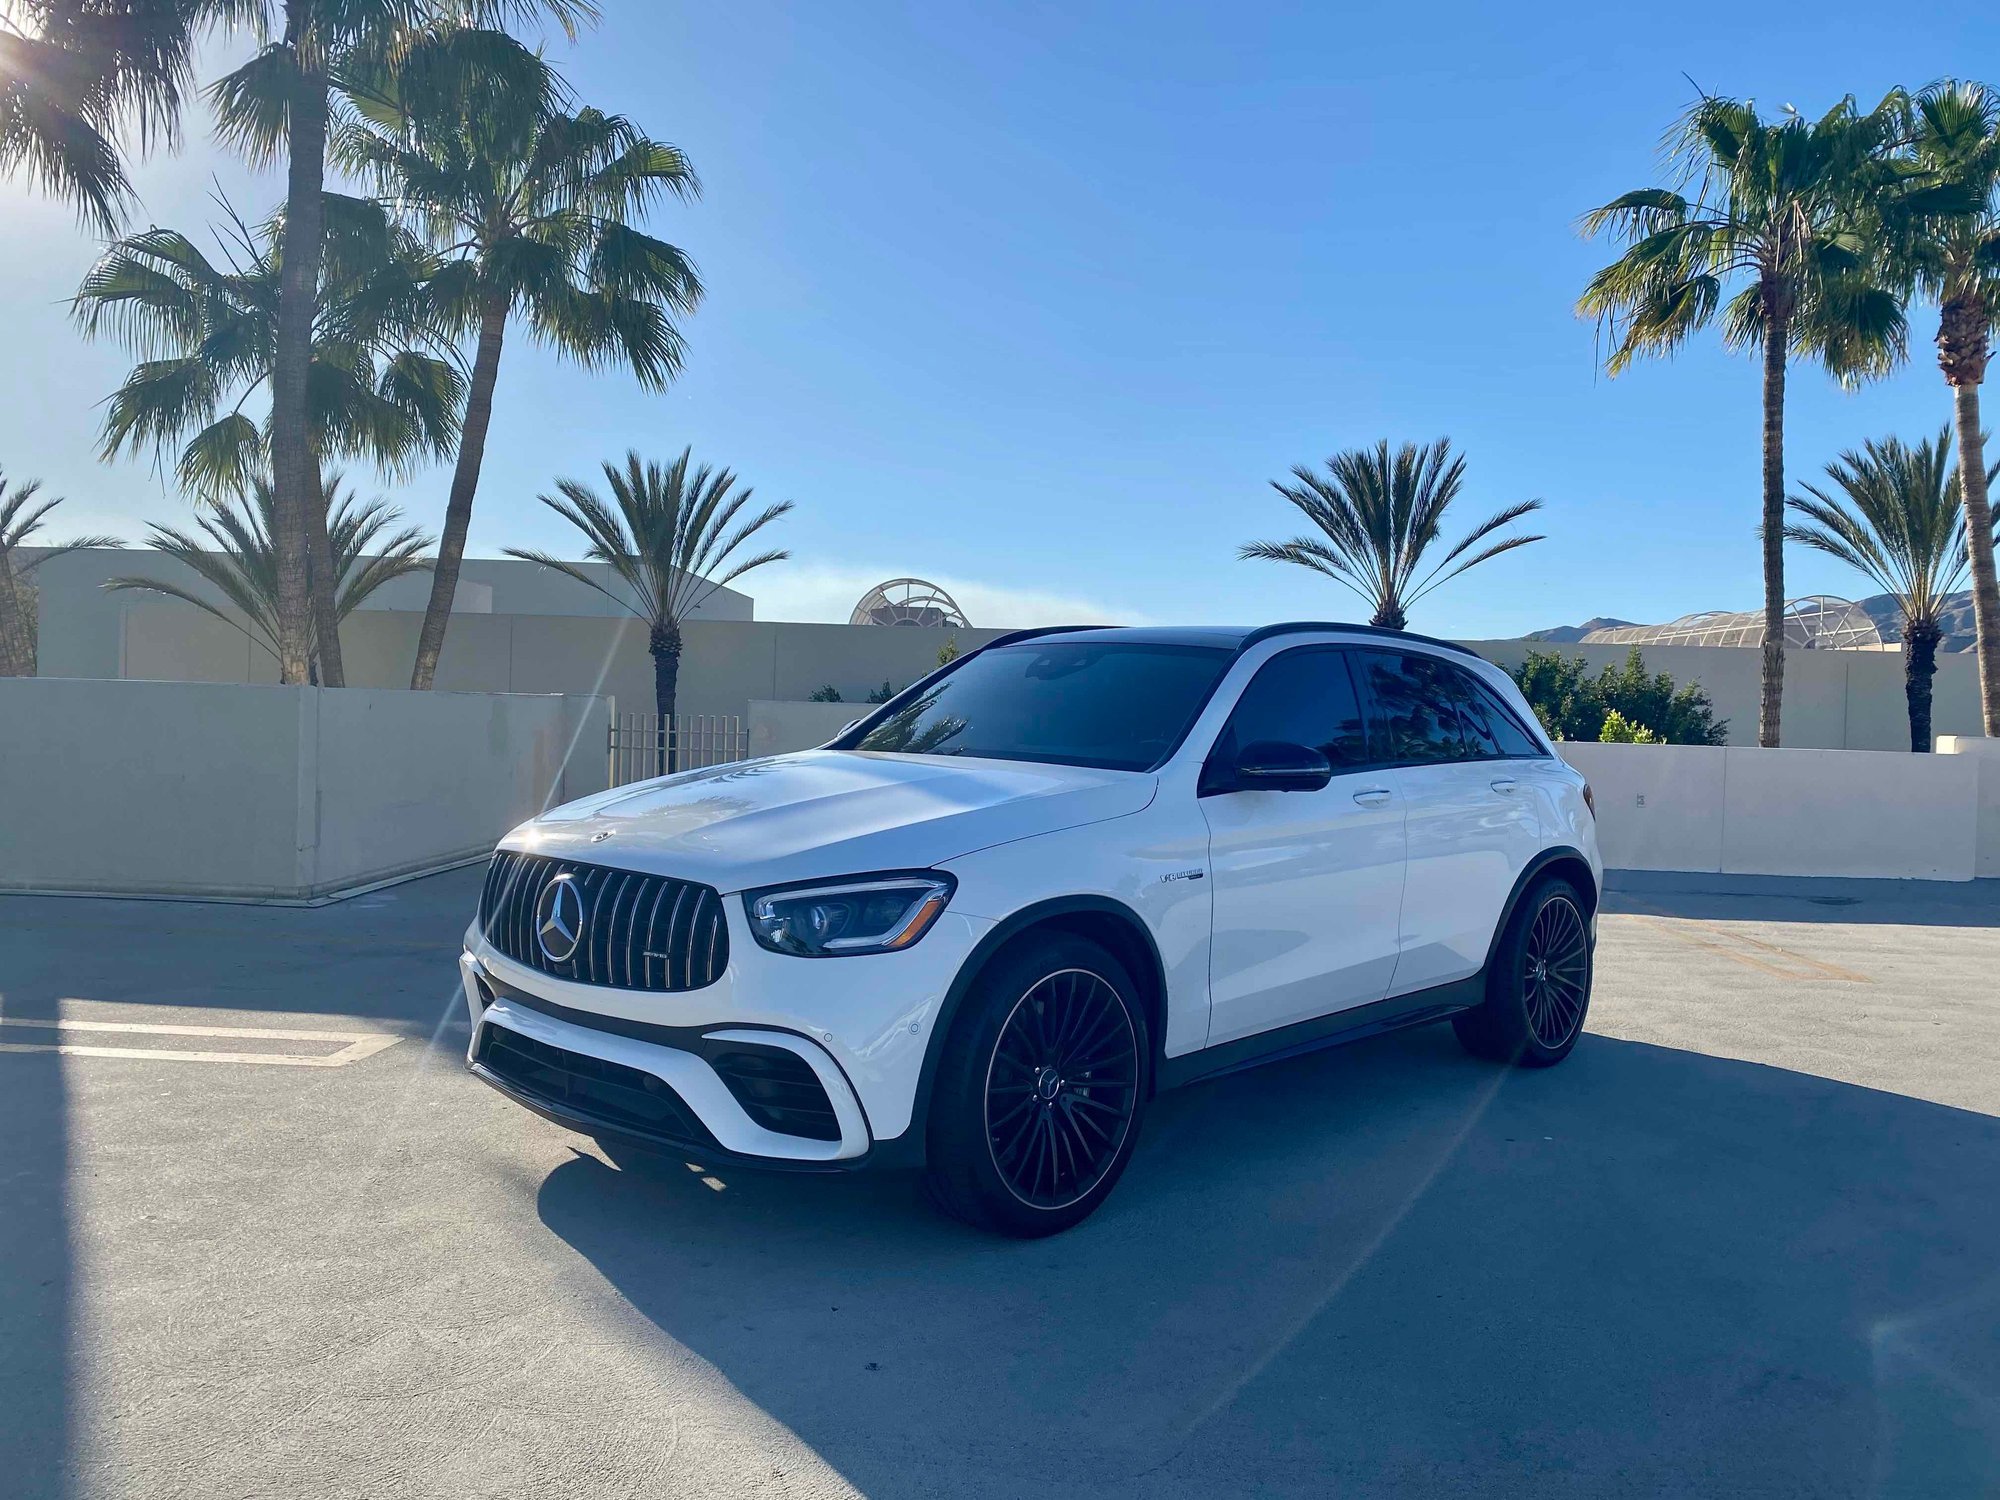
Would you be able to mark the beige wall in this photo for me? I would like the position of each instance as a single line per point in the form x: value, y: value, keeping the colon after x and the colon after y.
x: 1834, y: 700
x: 724, y: 663
x: 779, y: 727
x: 211, y: 789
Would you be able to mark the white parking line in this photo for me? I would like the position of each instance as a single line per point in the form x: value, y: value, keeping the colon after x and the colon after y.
x: 360, y: 1044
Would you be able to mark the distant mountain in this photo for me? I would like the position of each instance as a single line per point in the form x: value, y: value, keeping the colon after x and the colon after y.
x: 1881, y: 608
x: 1570, y: 633
x: 1958, y: 627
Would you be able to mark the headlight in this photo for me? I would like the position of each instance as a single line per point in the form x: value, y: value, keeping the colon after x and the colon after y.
x: 845, y: 918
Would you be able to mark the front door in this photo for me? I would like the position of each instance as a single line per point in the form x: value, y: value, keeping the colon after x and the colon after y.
x: 1472, y: 818
x: 1308, y: 886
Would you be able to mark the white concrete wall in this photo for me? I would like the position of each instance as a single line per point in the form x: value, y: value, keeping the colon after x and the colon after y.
x: 212, y: 789
x: 779, y: 727
x: 1985, y: 754
x: 1784, y: 812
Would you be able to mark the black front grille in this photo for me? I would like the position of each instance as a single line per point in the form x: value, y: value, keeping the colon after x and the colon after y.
x: 640, y: 932
x: 576, y: 1084
x: 779, y: 1090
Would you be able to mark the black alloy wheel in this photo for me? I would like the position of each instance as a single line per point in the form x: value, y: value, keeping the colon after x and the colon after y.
x: 1062, y: 1088
x: 1555, y: 973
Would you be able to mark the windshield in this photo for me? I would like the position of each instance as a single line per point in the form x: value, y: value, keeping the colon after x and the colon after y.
x: 1117, y: 707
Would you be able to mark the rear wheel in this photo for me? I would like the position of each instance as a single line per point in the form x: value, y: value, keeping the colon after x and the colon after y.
x: 1538, y: 989
x: 1040, y: 1090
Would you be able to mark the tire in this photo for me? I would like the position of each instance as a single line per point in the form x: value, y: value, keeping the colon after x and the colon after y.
x: 1538, y: 986
x: 1040, y: 1090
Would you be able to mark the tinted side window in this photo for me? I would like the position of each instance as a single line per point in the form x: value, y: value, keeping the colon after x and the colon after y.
x: 1491, y: 726
x: 1415, y: 714
x: 1302, y: 698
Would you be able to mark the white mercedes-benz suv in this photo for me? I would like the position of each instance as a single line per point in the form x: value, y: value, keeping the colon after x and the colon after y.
x: 978, y: 930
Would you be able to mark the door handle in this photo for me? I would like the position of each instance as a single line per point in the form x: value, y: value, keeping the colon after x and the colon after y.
x: 1374, y: 796
x: 1505, y: 784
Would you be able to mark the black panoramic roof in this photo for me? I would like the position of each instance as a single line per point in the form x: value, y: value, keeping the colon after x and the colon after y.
x: 1223, y: 637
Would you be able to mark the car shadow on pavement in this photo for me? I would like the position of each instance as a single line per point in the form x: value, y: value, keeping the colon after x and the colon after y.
x: 1387, y: 1267
x: 1796, y: 898
x: 37, y: 1261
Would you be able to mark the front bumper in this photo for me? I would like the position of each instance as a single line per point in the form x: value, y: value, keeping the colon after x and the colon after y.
x: 642, y: 1066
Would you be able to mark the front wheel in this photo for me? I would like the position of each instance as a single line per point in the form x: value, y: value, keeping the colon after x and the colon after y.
x: 1538, y: 988
x: 1040, y: 1090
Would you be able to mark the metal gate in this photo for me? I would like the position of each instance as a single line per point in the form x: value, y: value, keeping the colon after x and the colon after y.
x: 644, y: 745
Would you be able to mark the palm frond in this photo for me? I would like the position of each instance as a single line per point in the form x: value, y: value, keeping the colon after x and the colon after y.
x: 669, y: 531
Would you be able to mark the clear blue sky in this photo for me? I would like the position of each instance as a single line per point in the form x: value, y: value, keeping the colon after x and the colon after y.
x: 1034, y: 299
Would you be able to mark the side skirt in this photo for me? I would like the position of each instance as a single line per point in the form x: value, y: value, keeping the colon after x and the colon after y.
x: 1336, y: 1030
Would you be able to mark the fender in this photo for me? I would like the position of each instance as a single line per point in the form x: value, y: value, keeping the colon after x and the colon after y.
x: 1536, y: 868
x: 908, y: 1149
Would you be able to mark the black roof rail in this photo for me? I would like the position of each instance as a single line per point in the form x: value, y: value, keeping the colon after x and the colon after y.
x: 1299, y: 627
x: 1014, y: 637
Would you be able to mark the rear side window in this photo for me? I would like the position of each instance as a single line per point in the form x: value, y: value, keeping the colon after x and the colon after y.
x: 1300, y: 698
x: 1491, y: 730
x: 1415, y: 715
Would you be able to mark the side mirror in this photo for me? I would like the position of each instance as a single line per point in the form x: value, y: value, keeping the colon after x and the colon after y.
x: 1275, y: 766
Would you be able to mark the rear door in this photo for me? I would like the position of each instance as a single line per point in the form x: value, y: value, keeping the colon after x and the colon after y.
x: 1307, y: 885
x: 1472, y: 825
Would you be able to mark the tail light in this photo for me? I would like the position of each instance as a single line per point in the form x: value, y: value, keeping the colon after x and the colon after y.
x: 1588, y: 800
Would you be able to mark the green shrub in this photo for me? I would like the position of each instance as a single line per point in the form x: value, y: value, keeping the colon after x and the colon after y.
x: 883, y: 693
x: 827, y: 694
x: 1573, y: 705
x: 1618, y: 730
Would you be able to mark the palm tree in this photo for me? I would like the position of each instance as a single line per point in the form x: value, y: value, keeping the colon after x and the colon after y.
x: 235, y: 557
x: 21, y: 516
x: 1378, y: 515
x: 206, y: 335
x: 75, y: 76
x: 1898, y: 519
x: 532, y: 209
x: 277, y: 106
x: 1776, y: 209
x: 663, y: 532
x: 1944, y: 242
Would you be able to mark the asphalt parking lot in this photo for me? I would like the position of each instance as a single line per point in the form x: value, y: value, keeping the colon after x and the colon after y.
x: 1745, y: 1242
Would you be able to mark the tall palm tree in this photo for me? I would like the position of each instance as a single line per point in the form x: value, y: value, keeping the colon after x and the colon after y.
x: 532, y: 209
x: 79, y: 76
x: 235, y: 557
x: 664, y: 531
x: 1775, y: 209
x: 21, y: 516
x: 1379, y: 515
x: 206, y: 335
x: 1898, y: 518
x: 277, y: 107
x: 1943, y: 242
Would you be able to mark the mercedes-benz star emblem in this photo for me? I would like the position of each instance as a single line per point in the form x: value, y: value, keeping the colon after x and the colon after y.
x: 559, y: 919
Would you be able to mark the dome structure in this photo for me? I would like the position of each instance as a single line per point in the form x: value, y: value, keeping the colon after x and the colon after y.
x: 909, y: 601
x: 1819, y: 622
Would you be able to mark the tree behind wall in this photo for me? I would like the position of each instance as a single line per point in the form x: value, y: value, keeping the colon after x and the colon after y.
x: 21, y: 516
x: 665, y: 529
x: 1775, y: 209
x: 1574, y: 705
x: 277, y: 107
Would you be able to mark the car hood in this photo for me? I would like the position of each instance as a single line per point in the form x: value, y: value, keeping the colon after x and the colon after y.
x: 826, y: 812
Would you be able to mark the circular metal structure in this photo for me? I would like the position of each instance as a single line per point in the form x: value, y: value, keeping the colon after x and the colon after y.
x: 1061, y: 1088
x: 1555, y: 979
x: 1819, y: 622
x: 909, y: 601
